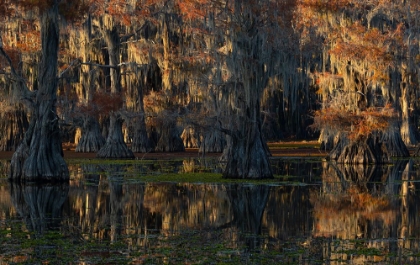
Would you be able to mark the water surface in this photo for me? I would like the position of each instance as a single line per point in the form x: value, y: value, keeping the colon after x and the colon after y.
x: 139, y: 212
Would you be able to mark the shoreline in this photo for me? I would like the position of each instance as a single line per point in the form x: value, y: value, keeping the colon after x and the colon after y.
x: 277, y: 149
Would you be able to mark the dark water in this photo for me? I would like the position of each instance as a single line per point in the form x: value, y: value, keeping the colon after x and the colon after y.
x: 314, y: 213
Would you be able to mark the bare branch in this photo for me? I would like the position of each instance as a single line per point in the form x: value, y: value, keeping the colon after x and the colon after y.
x: 72, y: 64
x: 26, y: 93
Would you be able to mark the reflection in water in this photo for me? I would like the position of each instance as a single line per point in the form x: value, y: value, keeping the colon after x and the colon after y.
x: 331, y: 213
x: 39, y: 205
x: 364, y: 204
x: 248, y: 204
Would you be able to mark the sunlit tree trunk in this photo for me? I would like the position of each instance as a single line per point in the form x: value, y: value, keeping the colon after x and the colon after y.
x: 40, y: 156
x: 407, y: 129
x: 169, y: 135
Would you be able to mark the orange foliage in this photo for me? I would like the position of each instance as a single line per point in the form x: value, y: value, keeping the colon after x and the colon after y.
x: 356, y: 42
x: 355, y: 124
x: 15, y: 56
x: 193, y: 9
x: 102, y: 103
x: 73, y: 10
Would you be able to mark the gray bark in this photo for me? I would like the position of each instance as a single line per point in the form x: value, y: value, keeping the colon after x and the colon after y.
x: 169, y: 139
x: 115, y: 146
x: 251, y: 66
x: 146, y: 78
x: 141, y: 142
x: 376, y: 148
x: 40, y: 156
x: 247, y: 155
x: 213, y: 141
x: 92, y: 139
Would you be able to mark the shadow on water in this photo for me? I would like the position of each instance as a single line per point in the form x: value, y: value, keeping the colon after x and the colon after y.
x: 347, y: 214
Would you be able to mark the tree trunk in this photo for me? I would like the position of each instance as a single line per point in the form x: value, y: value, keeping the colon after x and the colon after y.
x: 369, y: 150
x: 145, y: 76
x: 141, y: 142
x: 376, y: 148
x: 247, y: 154
x: 247, y: 159
x: 251, y: 64
x: 407, y: 128
x: 213, y: 142
x: 40, y: 156
x: 115, y: 146
x: 394, y: 144
x: 92, y: 139
x: 169, y: 139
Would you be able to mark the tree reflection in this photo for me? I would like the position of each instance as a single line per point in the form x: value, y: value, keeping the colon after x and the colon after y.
x: 40, y: 206
x: 248, y: 203
x: 357, y: 202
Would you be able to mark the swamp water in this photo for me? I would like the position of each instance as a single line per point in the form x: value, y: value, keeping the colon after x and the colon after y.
x: 182, y: 212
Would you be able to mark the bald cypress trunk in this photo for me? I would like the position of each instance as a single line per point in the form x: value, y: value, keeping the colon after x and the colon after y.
x: 115, y: 146
x: 247, y: 153
x: 92, y: 139
x: 251, y: 64
x: 40, y: 156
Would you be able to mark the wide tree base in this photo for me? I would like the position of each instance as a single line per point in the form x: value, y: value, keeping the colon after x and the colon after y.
x: 115, y: 150
x: 247, y: 161
x: 170, y: 140
x: 115, y: 146
x: 372, y: 149
x: 92, y: 139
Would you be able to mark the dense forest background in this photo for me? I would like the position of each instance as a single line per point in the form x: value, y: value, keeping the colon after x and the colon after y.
x: 165, y: 75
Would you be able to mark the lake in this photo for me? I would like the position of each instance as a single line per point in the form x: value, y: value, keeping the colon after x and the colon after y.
x: 182, y: 212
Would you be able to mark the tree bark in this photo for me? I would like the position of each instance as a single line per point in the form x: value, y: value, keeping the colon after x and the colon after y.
x: 115, y: 146
x: 376, y: 148
x: 407, y: 129
x: 213, y: 142
x: 92, y: 139
x: 40, y: 156
x: 247, y: 154
x: 365, y: 150
x: 251, y: 65
x: 169, y: 139
x: 147, y: 76
x: 141, y: 142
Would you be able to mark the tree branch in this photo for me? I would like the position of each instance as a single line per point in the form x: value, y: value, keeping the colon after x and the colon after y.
x: 26, y: 93
x: 72, y: 64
